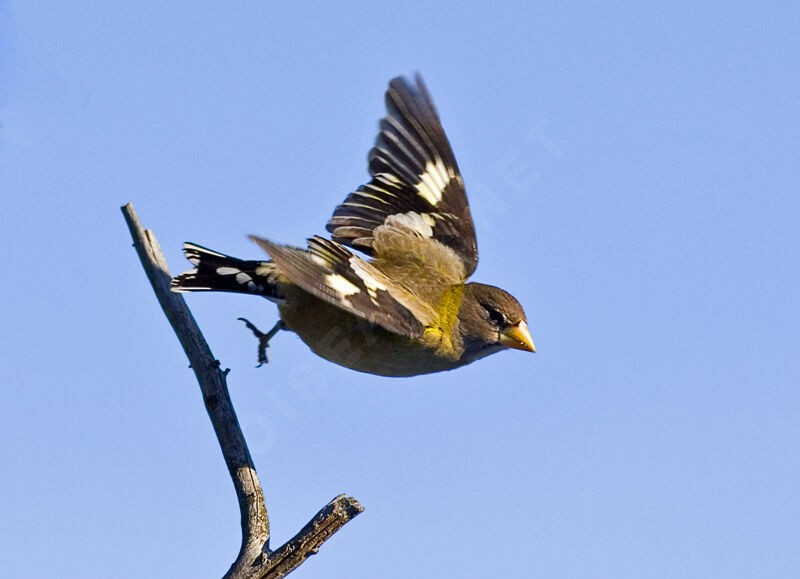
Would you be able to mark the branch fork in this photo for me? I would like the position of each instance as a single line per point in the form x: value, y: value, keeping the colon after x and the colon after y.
x: 255, y: 559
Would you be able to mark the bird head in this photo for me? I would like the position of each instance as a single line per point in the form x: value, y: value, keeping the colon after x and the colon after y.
x: 492, y: 317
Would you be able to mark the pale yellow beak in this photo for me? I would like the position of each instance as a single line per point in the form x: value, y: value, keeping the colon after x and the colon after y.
x: 518, y: 337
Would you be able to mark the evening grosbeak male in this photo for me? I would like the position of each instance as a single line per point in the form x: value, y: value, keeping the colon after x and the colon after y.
x: 407, y: 310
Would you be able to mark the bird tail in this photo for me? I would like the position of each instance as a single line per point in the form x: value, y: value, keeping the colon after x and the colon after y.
x: 214, y: 271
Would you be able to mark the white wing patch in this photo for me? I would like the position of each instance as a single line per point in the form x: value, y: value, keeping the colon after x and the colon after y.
x: 341, y: 285
x: 319, y: 260
x: 433, y: 181
x: 330, y: 272
x: 372, y: 284
x: 420, y: 224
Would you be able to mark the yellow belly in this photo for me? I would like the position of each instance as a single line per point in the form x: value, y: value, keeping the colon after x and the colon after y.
x: 346, y: 340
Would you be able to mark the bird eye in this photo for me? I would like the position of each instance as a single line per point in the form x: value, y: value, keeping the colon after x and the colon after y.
x: 496, y: 317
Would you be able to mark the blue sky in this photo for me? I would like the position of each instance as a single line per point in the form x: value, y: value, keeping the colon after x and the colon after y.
x: 633, y: 171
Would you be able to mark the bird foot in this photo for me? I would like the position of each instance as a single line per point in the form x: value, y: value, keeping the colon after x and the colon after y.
x: 263, y: 338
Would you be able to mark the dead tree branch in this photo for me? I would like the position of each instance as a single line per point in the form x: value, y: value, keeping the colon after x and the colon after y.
x: 255, y: 559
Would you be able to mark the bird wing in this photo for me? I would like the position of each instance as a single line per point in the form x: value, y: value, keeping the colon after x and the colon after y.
x: 332, y: 273
x: 415, y: 184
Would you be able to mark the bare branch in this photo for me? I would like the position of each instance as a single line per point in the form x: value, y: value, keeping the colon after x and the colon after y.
x: 255, y: 560
x: 308, y: 541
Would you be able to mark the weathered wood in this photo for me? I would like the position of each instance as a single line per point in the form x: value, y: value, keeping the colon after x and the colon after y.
x: 255, y: 560
x: 308, y: 541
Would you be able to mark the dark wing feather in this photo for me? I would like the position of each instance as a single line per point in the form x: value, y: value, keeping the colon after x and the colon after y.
x: 330, y: 272
x: 413, y: 172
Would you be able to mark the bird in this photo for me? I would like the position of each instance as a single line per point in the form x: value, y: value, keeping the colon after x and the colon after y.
x: 404, y: 306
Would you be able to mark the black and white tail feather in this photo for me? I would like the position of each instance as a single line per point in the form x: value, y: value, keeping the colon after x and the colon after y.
x: 214, y: 271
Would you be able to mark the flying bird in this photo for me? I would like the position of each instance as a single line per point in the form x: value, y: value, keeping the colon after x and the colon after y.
x: 406, y: 308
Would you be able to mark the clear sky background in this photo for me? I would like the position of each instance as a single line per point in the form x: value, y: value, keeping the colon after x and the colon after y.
x: 633, y: 170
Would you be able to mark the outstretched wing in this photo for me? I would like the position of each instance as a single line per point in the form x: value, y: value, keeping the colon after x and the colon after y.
x: 414, y: 176
x: 330, y: 272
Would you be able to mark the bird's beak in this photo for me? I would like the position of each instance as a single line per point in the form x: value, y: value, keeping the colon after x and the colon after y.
x: 517, y: 337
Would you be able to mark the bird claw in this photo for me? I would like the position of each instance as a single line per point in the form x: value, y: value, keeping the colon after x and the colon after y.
x: 263, y: 338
